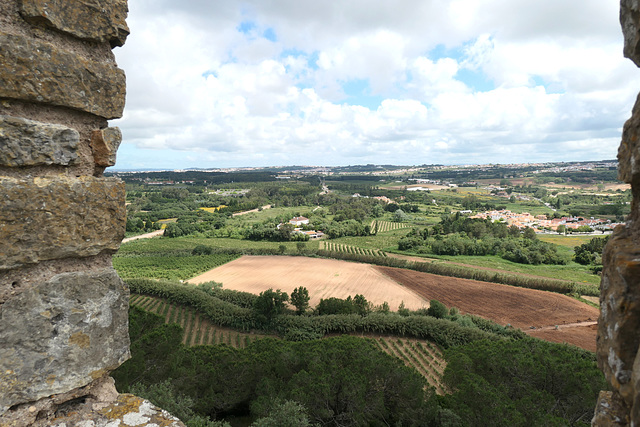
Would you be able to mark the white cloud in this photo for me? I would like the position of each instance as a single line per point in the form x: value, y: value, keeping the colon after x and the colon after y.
x: 198, y: 84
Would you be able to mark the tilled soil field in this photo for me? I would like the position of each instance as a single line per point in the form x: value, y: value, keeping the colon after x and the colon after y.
x: 323, y: 278
x: 520, y: 307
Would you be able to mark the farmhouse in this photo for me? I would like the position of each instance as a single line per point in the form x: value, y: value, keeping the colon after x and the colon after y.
x: 299, y: 220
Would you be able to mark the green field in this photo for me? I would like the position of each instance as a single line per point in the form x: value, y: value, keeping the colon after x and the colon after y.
x: 569, y: 241
x: 161, y: 245
x: 572, y: 271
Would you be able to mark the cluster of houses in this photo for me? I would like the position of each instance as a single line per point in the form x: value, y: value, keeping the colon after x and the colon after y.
x: 541, y: 222
x: 298, y: 222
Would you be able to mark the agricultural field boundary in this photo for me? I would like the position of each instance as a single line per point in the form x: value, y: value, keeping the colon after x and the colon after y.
x: 422, y: 355
x: 383, y: 226
x: 445, y: 333
x: 197, y: 328
x: 341, y: 247
x: 442, y: 269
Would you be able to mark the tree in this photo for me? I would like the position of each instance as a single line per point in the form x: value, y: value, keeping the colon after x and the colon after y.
x: 437, y: 309
x: 529, y: 233
x: 270, y: 303
x: 300, y: 299
x: 284, y: 414
x: 400, y: 216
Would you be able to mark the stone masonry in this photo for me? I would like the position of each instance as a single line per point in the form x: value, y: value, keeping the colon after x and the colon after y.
x: 63, y: 308
x: 619, y: 323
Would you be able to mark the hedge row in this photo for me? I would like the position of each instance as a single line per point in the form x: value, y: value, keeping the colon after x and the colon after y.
x: 220, y: 312
x: 445, y: 333
x: 442, y: 269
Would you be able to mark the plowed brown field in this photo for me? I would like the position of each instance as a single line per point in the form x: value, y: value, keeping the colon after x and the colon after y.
x: 504, y: 304
x: 324, y: 278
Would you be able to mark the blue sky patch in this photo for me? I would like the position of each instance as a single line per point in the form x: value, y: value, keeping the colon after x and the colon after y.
x: 441, y: 51
x: 270, y: 35
x: 358, y: 92
x: 475, y: 80
x: 246, y: 27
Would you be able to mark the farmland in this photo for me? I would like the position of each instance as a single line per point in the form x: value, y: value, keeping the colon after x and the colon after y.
x: 423, y: 356
x: 198, y: 330
x: 363, y: 220
x: 339, y: 247
x: 522, y: 308
x: 323, y: 278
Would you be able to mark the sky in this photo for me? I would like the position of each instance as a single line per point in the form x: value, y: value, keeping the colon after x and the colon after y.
x: 233, y: 83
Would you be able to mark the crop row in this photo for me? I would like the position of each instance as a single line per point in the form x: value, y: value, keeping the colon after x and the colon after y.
x: 382, y: 226
x: 339, y: 247
x: 423, y: 356
x: 173, y: 267
x: 198, y: 330
x: 222, y: 312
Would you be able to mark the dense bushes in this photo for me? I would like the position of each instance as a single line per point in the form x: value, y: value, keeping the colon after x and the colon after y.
x: 337, y: 381
x: 220, y: 312
x: 479, y: 237
x: 347, y: 381
x: 591, y: 252
x: 231, y: 308
x: 523, y: 383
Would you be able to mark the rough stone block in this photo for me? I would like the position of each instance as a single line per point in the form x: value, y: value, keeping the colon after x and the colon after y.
x: 610, y: 411
x: 96, y: 20
x: 629, y: 150
x: 35, y: 71
x: 51, y: 218
x: 618, y: 333
x: 62, y: 334
x: 630, y: 22
x: 29, y: 143
x: 105, y: 143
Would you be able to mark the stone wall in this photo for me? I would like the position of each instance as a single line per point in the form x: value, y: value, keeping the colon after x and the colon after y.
x: 619, y: 322
x: 63, y: 308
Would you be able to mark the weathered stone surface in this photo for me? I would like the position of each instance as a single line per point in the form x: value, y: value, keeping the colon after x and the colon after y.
x: 610, y: 411
x: 29, y: 143
x: 630, y: 22
x: 629, y: 150
x: 40, y: 72
x: 618, y: 331
x: 81, y: 402
x: 51, y: 218
x: 105, y: 143
x: 62, y: 334
x: 96, y: 20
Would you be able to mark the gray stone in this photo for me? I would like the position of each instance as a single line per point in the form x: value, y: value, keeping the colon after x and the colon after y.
x: 610, y: 411
x: 105, y: 143
x: 62, y: 334
x: 96, y: 20
x: 629, y: 150
x: 35, y: 71
x: 28, y: 143
x: 51, y: 218
x: 630, y: 22
x: 618, y: 333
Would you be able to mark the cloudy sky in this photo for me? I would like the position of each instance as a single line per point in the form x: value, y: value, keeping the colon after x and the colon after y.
x: 230, y: 83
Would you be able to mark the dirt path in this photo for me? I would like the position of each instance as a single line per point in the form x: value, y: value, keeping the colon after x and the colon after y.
x: 252, y: 210
x: 144, y: 236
